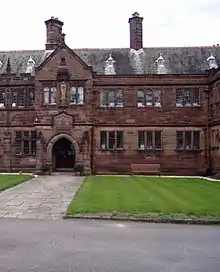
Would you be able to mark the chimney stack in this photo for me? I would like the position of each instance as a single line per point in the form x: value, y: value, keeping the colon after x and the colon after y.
x: 54, y: 33
x: 136, y: 31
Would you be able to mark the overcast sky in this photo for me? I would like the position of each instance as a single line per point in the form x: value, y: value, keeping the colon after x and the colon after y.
x: 100, y: 23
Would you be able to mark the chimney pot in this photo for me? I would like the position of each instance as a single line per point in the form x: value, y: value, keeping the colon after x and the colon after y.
x: 136, y: 31
x: 54, y: 33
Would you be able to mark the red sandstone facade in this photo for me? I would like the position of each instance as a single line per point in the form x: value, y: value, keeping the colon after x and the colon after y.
x: 109, y: 108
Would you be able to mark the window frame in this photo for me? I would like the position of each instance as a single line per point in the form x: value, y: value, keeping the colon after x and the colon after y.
x: 143, y: 145
x: 117, y: 98
x: 155, y: 94
x: 52, y: 88
x: 194, y: 95
x: 181, y: 136
x: 2, y: 98
x: 77, y: 94
x: 25, y: 137
x: 111, y: 138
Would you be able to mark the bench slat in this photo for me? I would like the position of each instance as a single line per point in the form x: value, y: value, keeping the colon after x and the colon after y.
x: 145, y: 168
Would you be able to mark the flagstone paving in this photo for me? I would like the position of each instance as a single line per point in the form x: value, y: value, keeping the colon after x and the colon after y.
x: 41, y: 197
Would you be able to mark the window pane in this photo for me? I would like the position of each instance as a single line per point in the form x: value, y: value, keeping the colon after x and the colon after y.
x: 53, y: 96
x: 119, y: 143
x: 111, y: 140
x: 119, y: 99
x: 46, y: 95
x: 73, y: 95
x: 26, y: 134
x: 26, y: 148
x: 158, y: 144
x: 103, y: 140
x: 157, y: 98
x: 80, y: 95
x: 103, y: 99
x: 196, y: 139
x: 196, y: 98
x: 14, y: 99
x: 149, y: 98
x: 141, y: 98
x: 2, y: 99
x: 149, y: 139
x: 111, y: 98
x: 31, y: 98
x: 141, y: 140
x: 33, y: 147
x: 179, y: 98
x: 21, y: 98
x: 179, y: 140
x: 188, y: 140
x: 187, y: 98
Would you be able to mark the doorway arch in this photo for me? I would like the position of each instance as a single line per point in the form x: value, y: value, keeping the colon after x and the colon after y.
x: 63, y: 155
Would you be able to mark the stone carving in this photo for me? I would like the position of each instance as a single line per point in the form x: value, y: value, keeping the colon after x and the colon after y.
x: 63, y: 91
x: 63, y: 121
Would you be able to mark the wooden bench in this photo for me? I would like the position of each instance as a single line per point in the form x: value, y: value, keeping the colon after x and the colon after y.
x: 149, y: 168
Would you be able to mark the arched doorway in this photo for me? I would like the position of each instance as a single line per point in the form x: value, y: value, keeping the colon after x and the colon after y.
x: 63, y: 155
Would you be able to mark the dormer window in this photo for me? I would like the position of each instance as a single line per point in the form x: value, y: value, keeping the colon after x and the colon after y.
x: 30, y: 66
x: 161, y: 69
x: 109, y: 66
x: 212, y: 62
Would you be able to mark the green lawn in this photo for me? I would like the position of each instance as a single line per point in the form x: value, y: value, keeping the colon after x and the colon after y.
x: 8, y: 181
x: 146, y: 197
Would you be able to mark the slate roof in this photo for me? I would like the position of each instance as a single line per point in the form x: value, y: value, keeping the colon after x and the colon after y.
x: 178, y: 60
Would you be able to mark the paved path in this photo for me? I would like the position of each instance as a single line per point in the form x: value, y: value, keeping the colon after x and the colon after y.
x: 41, y: 197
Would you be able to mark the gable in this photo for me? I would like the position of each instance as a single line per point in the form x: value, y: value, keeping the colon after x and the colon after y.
x: 77, y: 68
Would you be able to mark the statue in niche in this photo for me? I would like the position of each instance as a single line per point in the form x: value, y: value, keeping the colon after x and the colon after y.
x: 63, y: 90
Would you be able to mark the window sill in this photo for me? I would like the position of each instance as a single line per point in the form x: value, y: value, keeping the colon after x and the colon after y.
x: 149, y: 106
x: 17, y: 109
x: 189, y: 150
x: 76, y: 104
x: 24, y: 155
x: 112, y: 107
x: 150, y: 150
x: 187, y: 106
x: 112, y: 150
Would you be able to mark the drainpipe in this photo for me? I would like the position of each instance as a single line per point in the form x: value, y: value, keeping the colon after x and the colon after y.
x: 208, y: 149
x: 92, y: 148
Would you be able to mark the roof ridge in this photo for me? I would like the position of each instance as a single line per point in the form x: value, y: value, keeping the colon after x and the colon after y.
x: 113, y: 48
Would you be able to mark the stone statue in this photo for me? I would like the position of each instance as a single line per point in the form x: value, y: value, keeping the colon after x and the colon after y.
x: 63, y: 90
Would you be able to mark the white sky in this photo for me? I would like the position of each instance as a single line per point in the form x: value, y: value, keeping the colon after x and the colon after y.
x: 100, y: 23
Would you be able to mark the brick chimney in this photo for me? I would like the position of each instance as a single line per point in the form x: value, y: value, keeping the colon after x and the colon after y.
x: 54, y: 33
x: 136, y: 31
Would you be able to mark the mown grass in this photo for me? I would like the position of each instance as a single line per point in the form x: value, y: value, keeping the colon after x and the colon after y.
x: 147, y: 197
x: 8, y: 181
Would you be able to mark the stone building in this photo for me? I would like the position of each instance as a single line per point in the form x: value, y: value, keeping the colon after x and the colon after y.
x: 109, y: 108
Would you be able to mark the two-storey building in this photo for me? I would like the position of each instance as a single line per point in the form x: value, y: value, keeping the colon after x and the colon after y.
x: 109, y: 108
